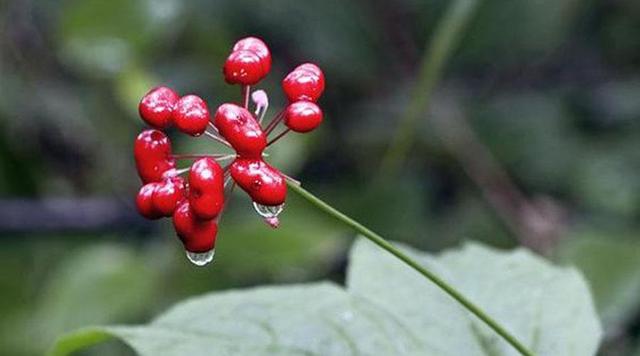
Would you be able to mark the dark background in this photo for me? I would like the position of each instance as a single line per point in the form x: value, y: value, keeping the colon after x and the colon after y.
x: 532, y: 137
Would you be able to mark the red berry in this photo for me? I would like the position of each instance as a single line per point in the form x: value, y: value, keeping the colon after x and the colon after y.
x: 196, y: 235
x: 306, y: 82
x: 152, y: 152
x: 156, y: 107
x: 206, y: 188
x: 167, y: 195
x: 243, y: 67
x: 264, y: 184
x: 191, y: 115
x: 258, y: 47
x: 302, y: 116
x: 310, y: 67
x: 144, y: 201
x: 241, y: 129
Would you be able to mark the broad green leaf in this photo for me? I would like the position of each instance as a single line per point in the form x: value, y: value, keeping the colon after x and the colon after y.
x: 316, y: 319
x: 547, y: 308
x: 386, y: 309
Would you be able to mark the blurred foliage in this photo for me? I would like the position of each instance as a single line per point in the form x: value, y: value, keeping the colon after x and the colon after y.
x: 551, y: 87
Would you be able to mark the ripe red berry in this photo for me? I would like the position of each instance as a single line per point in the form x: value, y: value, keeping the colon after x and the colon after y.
x: 306, y: 82
x: 197, y: 235
x: 144, y: 201
x: 313, y: 68
x: 191, y: 115
x: 302, y: 116
x: 241, y: 129
x: 152, y: 153
x: 156, y: 107
x: 258, y: 47
x: 264, y: 184
x: 206, y: 188
x: 243, y: 67
x: 168, y: 194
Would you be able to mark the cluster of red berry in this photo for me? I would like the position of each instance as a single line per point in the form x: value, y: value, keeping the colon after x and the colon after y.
x: 196, y: 203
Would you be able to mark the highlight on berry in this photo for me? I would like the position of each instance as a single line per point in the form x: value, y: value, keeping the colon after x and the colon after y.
x: 193, y: 189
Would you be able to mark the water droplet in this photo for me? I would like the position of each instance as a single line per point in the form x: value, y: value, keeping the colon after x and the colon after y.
x: 201, y: 258
x: 268, y: 211
x: 273, y: 222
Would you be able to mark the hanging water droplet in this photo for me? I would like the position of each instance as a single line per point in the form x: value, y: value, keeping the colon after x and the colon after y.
x: 274, y: 222
x: 201, y: 258
x: 268, y: 211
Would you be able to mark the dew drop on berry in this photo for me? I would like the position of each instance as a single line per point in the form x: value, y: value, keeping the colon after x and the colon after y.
x: 201, y: 258
x: 268, y: 211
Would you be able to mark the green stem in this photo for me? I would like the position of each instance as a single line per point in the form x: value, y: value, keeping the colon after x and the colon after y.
x: 443, y: 42
x: 386, y: 245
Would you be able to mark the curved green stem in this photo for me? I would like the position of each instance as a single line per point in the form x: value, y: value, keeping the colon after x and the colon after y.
x: 387, y: 246
x: 442, y: 44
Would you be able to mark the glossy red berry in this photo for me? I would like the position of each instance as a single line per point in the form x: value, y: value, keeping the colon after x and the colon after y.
x: 313, y: 68
x: 197, y: 235
x: 264, y: 184
x: 240, y: 128
x: 306, y: 82
x: 144, y: 201
x: 302, y: 116
x: 152, y: 153
x: 206, y: 188
x: 243, y: 67
x: 258, y: 47
x: 191, y: 115
x: 168, y: 194
x: 156, y: 107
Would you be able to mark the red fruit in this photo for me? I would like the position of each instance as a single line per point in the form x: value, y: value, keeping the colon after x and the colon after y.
x: 258, y: 47
x: 264, y: 184
x: 144, y: 201
x: 191, y: 115
x: 196, y: 235
x: 156, y: 107
x: 243, y: 67
x: 310, y: 67
x: 241, y: 129
x: 168, y: 194
x: 302, y: 116
x: 152, y: 152
x: 206, y: 188
x: 306, y: 82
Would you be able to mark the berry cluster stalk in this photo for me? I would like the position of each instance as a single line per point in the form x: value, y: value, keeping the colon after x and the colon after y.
x: 387, y: 246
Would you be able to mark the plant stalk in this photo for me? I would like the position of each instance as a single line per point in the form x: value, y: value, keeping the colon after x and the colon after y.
x: 445, y: 39
x: 387, y: 246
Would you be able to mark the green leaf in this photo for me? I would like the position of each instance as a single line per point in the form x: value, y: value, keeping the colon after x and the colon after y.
x: 612, y: 266
x: 547, y: 308
x: 102, y: 37
x: 304, y: 319
x: 99, y: 284
x: 386, y: 309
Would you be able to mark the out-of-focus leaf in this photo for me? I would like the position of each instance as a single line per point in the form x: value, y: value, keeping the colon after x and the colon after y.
x: 387, y: 309
x: 535, y: 28
x: 607, y: 181
x: 102, y: 37
x: 99, y: 284
x: 612, y: 267
x: 531, y: 135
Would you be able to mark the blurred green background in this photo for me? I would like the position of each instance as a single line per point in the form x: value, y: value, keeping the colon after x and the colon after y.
x: 532, y: 138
